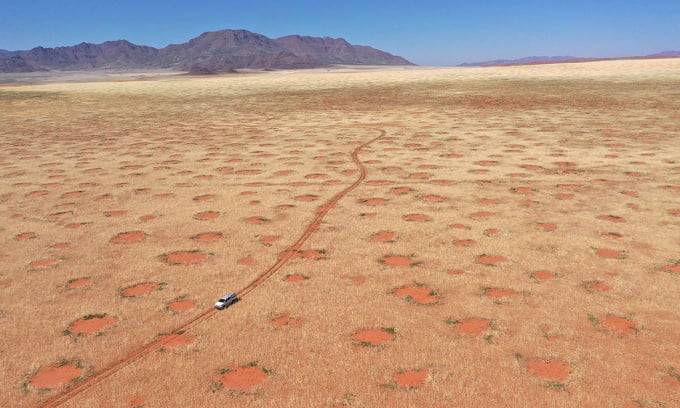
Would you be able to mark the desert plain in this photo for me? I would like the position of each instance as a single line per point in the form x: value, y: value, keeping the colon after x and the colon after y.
x: 403, y: 237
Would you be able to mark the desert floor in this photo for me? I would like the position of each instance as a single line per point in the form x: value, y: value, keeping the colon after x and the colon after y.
x: 399, y: 237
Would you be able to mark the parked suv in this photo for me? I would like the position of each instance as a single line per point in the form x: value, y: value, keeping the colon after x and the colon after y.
x: 226, y: 300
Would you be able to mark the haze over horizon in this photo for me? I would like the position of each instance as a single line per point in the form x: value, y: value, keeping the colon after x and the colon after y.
x: 429, y: 32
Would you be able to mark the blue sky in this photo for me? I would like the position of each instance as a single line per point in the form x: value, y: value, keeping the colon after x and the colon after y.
x: 427, y: 32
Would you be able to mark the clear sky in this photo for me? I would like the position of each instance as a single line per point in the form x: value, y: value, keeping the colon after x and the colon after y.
x: 427, y: 32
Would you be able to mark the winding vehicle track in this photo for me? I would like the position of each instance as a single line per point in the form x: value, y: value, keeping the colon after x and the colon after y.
x: 70, y: 393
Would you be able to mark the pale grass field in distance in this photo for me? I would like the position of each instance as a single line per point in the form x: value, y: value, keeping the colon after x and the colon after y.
x: 516, y: 240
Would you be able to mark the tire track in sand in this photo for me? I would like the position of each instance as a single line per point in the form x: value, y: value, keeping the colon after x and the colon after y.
x: 80, y: 387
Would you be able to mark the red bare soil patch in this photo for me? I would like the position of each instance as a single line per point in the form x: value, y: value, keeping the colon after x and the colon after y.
x: 373, y: 201
x: 24, y: 236
x: 544, y: 275
x: 296, y: 278
x: 551, y: 370
x: 130, y: 237
x: 564, y: 196
x: 373, y: 337
x: 182, y: 305
x: 148, y: 217
x: 459, y: 226
x: 284, y: 319
x: 674, y: 212
x: 417, y: 294
x: 204, y: 197
x: 397, y: 261
x: 547, y: 226
x: 115, y: 213
x: 384, y: 236
x: 610, y: 218
x: 487, y: 163
x: 316, y: 176
x: 400, y: 190
x: 455, y: 272
x: 256, y: 220
x: 5, y: 283
x: 60, y: 245
x: 464, y: 242
x: 208, y: 237
x: 490, y: 259
x: 481, y: 214
x: 522, y: 190
x: 243, y: 378
x: 417, y: 217
x: 136, y: 401
x: 411, y: 379
x: 673, y: 381
x: 140, y: 289
x: 72, y: 194
x: 175, y: 340
x: 312, y: 254
x: 620, y: 324
x: 55, y: 376
x: 432, y: 198
x: 44, y: 263
x: 492, y: 232
x: 248, y: 260
x: 91, y: 324
x: 630, y: 193
x: 185, y: 257
x: 307, y: 197
x: 612, y: 235
x: 610, y: 254
x: 78, y: 283
x: 164, y: 195
x: 471, y: 327
x: 672, y: 268
x: 598, y: 286
x: 269, y: 239
x: 500, y: 293
x: 207, y: 215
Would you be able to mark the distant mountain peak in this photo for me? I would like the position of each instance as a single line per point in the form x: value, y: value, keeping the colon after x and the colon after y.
x: 212, y: 51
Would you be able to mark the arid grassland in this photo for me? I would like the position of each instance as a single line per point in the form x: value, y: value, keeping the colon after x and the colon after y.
x: 429, y: 237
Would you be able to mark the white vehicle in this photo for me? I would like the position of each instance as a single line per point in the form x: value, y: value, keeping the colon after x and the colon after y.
x: 226, y: 300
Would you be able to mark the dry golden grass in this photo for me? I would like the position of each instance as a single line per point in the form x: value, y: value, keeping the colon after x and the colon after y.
x: 566, y: 177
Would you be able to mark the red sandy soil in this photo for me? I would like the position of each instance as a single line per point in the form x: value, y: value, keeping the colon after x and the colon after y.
x: 115, y: 213
x: 207, y: 215
x: 307, y: 197
x: 284, y: 319
x: 60, y: 245
x: 373, y: 201
x: 464, y: 242
x: 182, y: 305
x: 544, y: 275
x: 611, y: 218
x: 672, y: 268
x: 610, y: 253
x: 417, y: 217
x: 397, y: 261
x: 472, y: 326
x: 481, y: 215
x: 269, y: 239
x: 417, y: 294
x: 91, y: 325
x: 598, y: 286
x: 411, y: 379
x: 374, y: 337
x: 296, y: 278
x: 185, y: 257
x: 620, y: 324
x: 400, y: 190
x: 384, y: 236
x: 500, y: 293
x: 456, y: 272
x: 129, y: 237
x: 208, y: 237
x: 44, y: 263
x: 551, y: 370
x: 24, y: 236
x: 490, y: 259
x: 243, y: 378
x: 204, y: 197
x: 256, y: 220
x: 248, y: 260
x: 547, y: 226
x: 174, y: 340
x: 55, y: 376
x: 140, y: 289
x: 312, y: 254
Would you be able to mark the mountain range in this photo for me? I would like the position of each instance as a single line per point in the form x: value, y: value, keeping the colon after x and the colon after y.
x: 210, y: 52
x: 561, y: 59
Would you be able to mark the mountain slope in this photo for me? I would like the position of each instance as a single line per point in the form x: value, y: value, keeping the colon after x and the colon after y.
x: 216, y: 51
